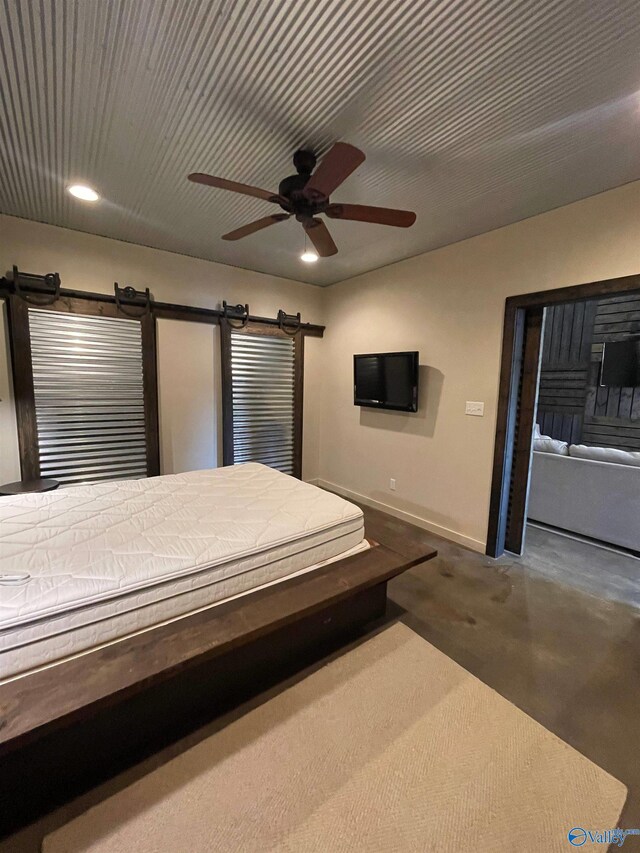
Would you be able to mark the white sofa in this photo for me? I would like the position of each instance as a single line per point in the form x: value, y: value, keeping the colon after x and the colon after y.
x: 587, y: 496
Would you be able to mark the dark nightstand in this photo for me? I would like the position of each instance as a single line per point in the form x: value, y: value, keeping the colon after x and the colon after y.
x: 24, y: 487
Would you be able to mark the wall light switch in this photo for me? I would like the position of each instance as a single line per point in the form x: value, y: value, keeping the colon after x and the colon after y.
x: 474, y: 408
x: 392, y: 484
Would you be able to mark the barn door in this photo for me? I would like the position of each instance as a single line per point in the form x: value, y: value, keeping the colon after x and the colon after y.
x: 262, y: 396
x: 86, y: 396
x: 521, y: 346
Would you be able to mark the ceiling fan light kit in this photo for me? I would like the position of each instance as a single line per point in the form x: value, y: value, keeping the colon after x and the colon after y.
x: 306, y: 195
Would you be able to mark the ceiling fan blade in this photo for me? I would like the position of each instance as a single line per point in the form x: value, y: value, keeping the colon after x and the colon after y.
x: 234, y: 186
x: 366, y: 213
x: 320, y: 237
x: 341, y: 160
x: 252, y: 227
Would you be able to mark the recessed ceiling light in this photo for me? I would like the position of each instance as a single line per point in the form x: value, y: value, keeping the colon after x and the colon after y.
x: 83, y: 192
x: 309, y: 257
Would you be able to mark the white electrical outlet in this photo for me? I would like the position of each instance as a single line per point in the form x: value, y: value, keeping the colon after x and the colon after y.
x: 474, y: 408
x: 392, y: 484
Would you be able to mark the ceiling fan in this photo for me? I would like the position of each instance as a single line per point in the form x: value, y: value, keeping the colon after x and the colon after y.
x: 307, y: 194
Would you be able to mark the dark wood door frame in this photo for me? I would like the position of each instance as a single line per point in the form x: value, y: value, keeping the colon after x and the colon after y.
x: 517, y: 399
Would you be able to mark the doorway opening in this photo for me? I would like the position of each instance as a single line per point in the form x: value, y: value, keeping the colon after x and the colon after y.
x: 553, y: 356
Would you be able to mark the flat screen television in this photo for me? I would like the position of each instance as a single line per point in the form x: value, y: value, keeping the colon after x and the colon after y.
x: 386, y: 380
x: 621, y: 364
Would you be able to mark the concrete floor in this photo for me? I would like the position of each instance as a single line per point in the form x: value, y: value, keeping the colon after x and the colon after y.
x: 602, y: 571
x: 568, y: 658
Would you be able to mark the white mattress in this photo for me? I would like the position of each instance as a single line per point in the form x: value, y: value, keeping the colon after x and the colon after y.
x: 107, y: 560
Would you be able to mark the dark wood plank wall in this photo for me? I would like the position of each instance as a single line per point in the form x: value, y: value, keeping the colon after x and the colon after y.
x: 572, y: 405
x: 612, y: 415
x: 564, y: 373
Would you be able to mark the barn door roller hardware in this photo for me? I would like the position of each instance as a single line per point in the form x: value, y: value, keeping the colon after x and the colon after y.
x: 139, y: 298
x: 238, y: 313
x: 289, y: 323
x: 42, y: 289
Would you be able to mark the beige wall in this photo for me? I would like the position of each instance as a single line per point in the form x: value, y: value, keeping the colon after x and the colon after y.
x: 9, y: 456
x: 449, y: 304
x: 87, y: 262
x: 189, y: 395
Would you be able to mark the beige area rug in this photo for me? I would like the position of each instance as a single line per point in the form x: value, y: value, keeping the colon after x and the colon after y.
x: 391, y: 747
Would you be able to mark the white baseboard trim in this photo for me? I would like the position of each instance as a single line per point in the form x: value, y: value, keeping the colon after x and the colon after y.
x: 425, y: 524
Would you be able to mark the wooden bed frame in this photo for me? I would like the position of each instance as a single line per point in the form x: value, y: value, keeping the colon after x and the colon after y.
x: 69, y: 726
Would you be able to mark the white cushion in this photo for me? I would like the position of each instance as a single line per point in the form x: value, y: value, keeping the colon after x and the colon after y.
x: 545, y: 444
x: 605, y: 454
x: 536, y: 432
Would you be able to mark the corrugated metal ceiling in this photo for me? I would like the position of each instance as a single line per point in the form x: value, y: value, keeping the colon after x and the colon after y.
x: 473, y: 113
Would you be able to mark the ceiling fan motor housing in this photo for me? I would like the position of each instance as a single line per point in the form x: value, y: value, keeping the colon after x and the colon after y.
x: 304, y: 162
x: 291, y: 188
